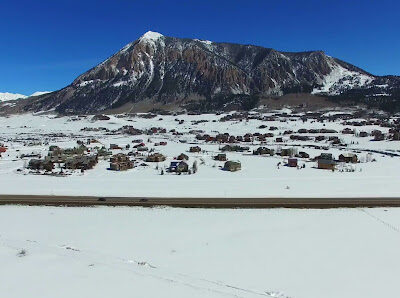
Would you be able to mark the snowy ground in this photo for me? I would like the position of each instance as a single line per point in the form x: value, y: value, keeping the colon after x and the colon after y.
x: 259, y: 176
x: 135, y: 252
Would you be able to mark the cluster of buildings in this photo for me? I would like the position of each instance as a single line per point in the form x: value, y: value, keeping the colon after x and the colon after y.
x: 77, y: 158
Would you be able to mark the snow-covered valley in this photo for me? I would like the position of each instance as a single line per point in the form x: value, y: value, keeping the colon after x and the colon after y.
x: 375, y: 174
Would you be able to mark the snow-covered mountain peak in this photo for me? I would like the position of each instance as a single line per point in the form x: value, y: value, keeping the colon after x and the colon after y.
x: 151, y: 36
x: 6, y: 96
x: 185, y: 71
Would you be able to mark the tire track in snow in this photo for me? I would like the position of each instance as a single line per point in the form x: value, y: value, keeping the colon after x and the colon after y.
x: 122, y: 264
x: 390, y: 226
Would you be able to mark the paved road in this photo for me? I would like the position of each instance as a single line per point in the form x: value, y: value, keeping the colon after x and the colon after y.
x: 200, y: 202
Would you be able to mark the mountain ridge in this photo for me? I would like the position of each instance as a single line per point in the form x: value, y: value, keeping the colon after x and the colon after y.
x: 210, y: 75
x: 7, y: 96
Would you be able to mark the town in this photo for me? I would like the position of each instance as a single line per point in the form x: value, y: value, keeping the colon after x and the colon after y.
x: 167, y: 144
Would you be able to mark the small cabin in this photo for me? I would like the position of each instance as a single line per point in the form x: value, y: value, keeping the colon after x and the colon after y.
x: 156, y: 157
x: 326, y: 162
x: 178, y: 167
x: 303, y: 154
x: 292, y: 162
x: 348, y: 158
x: 115, y: 147
x: 195, y: 149
x: 232, y: 166
x: 182, y: 156
x: 220, y: 157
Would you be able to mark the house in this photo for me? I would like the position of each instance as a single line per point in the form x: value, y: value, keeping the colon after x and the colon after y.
x: 160, y: 144
x: 395, y: 136
x: 263, y: 151
x: 347, y: 131
x: 155, y: 157
x: 31, y: 155
x: 54, y: 148
x: 3, y: 149
x: 300, y: 138
x: 114, y: 147
x: 120, y: 162
x: 100, y: 117
x: 195, y: 149
x: 348, y: 158
x: 139, y: 145
x: 288, y: 151
x: 292, y: 162
x: 178, y: 167
x: 234, y: 148
x: 182, y: 156
x: 378, y: 135
x: 326, y: 162
x: 121, y: 166
x: 363, y: 134
x: 220, y: 157
x: 232, y: 166
x: 303, y: 154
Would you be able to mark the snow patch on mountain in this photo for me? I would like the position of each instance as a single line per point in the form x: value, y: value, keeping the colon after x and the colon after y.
x: 37, y: 93
x: 341, y: 79
x: 6, y: 96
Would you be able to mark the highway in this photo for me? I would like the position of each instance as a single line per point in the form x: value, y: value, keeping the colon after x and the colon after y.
x: 32, y: 200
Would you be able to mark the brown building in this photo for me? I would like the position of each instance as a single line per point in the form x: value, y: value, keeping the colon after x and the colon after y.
x: 348, y: 158
x: 195, y: 149
x: 178, y: 167
x: 292, y: 162
x: 220, y: 157
x: 182, y: 156
x: 232, y: 166
x: 263, y: 151
x: 156, y: 157
x: 326, y: 162
x: 120, y: 162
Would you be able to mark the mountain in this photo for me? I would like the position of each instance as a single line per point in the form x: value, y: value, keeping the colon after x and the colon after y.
x: 6, y: 96
x: 161, y: 71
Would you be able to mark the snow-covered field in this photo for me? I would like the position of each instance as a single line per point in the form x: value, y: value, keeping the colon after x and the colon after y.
x: 259, y: 177
x: 164, y: 252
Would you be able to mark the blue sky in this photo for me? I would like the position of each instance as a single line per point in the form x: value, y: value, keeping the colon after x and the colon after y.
x: 44, y: 45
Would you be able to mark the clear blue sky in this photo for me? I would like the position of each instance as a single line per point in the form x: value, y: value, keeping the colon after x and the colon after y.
x: 45, y: 44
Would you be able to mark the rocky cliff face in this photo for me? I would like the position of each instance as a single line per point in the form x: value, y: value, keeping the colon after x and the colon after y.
x: 173, y: 70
